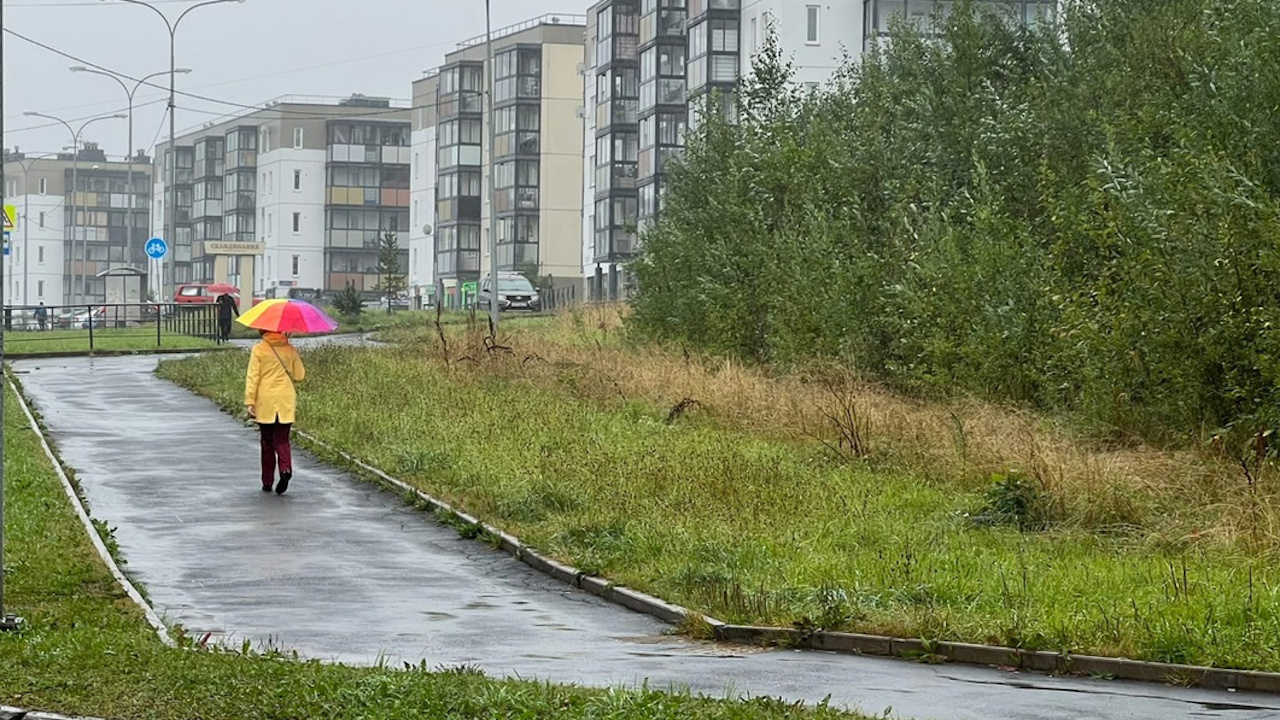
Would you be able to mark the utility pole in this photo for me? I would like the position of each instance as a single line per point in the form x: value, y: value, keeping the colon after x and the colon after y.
x: 8, y: 623
x: 493, y: 181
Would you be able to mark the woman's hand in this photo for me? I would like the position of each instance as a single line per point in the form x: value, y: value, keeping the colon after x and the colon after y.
x: 253, y: 411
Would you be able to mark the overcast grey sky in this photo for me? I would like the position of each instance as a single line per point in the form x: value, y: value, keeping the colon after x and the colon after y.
x: 243, y: 53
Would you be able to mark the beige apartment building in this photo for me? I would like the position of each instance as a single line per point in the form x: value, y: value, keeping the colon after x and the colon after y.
x: 536, y: 161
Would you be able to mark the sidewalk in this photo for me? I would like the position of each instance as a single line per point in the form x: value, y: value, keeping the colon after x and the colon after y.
x: 341, y: 570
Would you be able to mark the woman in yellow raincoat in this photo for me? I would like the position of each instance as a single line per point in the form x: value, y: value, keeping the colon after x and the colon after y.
x: 274, y: 368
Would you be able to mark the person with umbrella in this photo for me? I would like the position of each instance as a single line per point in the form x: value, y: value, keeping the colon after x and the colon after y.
x: 275, y: 367
x: 227, y: 309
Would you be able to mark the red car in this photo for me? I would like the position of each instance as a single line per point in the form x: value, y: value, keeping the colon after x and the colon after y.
x: 201, y: 294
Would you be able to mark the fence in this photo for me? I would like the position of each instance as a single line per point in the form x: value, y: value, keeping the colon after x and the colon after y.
x: 77, y: 328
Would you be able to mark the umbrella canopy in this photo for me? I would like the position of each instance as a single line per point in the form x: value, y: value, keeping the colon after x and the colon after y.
x: 288, y: 316
x: 223, y: 289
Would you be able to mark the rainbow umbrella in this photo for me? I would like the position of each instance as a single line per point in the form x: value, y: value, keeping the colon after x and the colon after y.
x: 288, y: 316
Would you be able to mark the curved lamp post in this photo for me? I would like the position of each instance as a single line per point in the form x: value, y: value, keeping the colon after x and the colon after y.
x: 129, y: 92
x: 75, y: 182
x: 172, y: 26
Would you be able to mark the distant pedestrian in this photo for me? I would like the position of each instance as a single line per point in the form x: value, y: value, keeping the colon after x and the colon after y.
x: 42, y: 316
x: 269, y: 392
x: 227, y: 310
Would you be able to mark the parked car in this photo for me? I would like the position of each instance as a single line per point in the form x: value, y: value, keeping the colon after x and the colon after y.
x: 203, y: 294
x: 79, y: 318
x: 515, y: 292
x: 399, y: 302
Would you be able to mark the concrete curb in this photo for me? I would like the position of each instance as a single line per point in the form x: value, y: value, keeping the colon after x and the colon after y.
x: 849, y: 643
x: 152, y: 617
x: 627, y: 597
x: 33, y: 715
x: 18, y: 357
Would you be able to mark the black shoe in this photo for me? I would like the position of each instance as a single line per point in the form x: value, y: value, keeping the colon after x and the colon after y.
x: 267, y: 488
x: 283, y: 485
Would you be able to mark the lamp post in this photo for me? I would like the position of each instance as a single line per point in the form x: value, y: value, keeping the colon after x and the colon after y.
x: 132, y: 194
x: 26, y: 165
x: 170, y: 230
x: 493, y: 166
x: 75, y: 182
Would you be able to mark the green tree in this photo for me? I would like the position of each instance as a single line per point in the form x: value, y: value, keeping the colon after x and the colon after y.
x: 391, y: 277
x: 348, y: 302
x: 1080, y: 215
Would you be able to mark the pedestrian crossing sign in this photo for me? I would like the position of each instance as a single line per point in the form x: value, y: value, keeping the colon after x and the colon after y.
x: 10, y: 217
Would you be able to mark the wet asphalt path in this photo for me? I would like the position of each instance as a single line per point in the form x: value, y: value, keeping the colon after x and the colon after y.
x: 340, y: 570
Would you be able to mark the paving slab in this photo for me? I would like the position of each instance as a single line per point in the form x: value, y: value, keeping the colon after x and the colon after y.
x: 341, y: 570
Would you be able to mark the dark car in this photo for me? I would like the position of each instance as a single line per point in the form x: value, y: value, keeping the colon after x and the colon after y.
x: 515, y: 292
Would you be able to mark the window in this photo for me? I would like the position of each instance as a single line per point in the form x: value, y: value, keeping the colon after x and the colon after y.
x: 44, y: 185
x: 416, y: 166
x: 297, y: 180
x: 39, y: 288
x: 271, y: 183
x: 297, y: 138
x: 755, y: 35
x: 41, y: 219
x: 815, y: 13
x: 297, y: 222
x: 40, y: 257
x: 11, y: 189
x: 271, y: 221
x: 296, y: 258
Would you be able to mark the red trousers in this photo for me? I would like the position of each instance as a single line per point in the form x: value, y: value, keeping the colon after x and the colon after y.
x: 275, y: 446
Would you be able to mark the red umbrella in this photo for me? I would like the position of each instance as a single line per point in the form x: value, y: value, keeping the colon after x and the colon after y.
x: 223, y: 289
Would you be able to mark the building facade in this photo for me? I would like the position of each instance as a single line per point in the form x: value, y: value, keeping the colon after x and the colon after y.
x: 293, y: 196
x: 535, y: 165
x: 650, y: 64
x: 44, y: 264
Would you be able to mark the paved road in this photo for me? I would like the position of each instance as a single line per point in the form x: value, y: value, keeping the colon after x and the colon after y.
x: 340, y: 570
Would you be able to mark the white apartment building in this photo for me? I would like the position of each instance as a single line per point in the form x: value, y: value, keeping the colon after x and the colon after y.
x: 648, y: 60
x: 44, y: 265
x: 290, y: 198
x: 422, y: 192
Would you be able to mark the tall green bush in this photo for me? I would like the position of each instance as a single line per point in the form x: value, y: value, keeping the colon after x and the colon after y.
x: 1081, y: 216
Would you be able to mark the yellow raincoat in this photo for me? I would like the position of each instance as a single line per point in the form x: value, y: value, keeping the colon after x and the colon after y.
x: 274, y: 366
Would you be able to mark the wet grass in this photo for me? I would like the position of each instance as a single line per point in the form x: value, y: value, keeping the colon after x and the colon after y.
x: 759, y: 527
x: 105, y: 340
x: 87, y: 650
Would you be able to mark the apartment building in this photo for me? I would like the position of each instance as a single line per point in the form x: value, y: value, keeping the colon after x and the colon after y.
x: 44, y: 265
x: 293, y: 195
x: 650, y: 62
x: 535, y: 165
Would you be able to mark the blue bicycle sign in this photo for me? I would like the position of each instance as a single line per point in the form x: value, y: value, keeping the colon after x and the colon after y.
x: 157, y: 248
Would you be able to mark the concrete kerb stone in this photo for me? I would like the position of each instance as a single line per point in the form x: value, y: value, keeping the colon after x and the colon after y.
x: 118, y: 353
x: 876, y: 645
x: 153, y: 618
x: 34, y: 715
x: 626, y: 597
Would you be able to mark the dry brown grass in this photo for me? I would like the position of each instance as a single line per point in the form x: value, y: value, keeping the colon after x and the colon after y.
x: 1152, y: 494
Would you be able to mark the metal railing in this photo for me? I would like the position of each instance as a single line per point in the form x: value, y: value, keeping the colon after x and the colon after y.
x: 548, y: 19
x: 124, y: 327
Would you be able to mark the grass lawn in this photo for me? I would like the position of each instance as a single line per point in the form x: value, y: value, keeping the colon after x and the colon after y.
x: 87, y: 650
x: 752, y: 523
x: 68, y: 341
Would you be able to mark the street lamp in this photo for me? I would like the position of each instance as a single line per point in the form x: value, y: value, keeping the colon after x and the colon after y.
x: 493, y: 166
x: 130, y: 93
x: 170, y: 231
x: 75, y: 180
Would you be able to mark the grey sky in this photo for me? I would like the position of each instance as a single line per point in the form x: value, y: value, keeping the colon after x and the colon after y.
x: 244, y: 53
